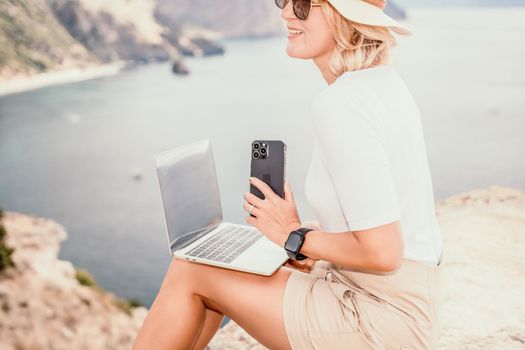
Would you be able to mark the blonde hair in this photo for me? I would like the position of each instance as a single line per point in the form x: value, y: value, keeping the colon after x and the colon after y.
x: 357, y: 45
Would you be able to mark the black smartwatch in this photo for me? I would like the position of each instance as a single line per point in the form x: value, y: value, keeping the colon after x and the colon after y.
x: 295, y: 242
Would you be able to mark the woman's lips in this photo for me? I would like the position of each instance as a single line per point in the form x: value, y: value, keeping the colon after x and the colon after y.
x: 293, y: 35
x: 293, y: 32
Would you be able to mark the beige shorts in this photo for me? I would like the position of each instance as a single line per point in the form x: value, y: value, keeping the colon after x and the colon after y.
x: 336, y: 308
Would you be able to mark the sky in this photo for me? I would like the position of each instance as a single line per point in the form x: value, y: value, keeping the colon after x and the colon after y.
x: 439, y: 3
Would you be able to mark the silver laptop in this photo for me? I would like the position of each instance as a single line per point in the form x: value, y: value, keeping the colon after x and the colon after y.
x: 193, y: 214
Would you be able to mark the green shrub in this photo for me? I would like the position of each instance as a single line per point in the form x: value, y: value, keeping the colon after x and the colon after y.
x: 134, y: 302
x: 127, y: 305
x: 3, y: 232
x: 85, y: 278
x: 5, y: 256
x: 5, y: 251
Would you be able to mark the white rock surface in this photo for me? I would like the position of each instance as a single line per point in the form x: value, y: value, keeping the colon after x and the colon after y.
x: 44, y: 307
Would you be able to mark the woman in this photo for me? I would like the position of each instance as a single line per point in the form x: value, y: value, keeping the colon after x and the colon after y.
x: 373, y: 259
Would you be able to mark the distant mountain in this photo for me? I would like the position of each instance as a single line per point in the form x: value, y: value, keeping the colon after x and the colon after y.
x: 462, y: 3
x: 114, y: 30
x: 231, y: 18
x: 32, y: 40
x: 42, y: 35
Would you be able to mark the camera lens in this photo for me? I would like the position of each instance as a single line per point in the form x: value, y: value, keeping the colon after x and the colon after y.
x: 263, y: 150
x: 255, y: 155
x: 256, y: 145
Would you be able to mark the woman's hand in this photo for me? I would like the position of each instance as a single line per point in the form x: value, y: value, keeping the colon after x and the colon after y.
x: 273, y: 216
x: 304, y: 265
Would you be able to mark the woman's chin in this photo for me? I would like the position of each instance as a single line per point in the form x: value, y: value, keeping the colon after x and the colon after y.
x: 295, y: 52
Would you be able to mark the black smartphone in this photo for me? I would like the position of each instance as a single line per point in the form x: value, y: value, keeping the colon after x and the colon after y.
x: 269, y: 165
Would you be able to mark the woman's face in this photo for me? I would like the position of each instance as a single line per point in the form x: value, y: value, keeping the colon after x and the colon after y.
x: 315, y: 40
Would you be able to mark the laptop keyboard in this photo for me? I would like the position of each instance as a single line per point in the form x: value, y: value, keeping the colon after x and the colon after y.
x: 227, y: 244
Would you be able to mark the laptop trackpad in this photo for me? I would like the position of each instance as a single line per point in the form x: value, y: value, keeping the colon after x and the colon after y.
x: 263, y: 252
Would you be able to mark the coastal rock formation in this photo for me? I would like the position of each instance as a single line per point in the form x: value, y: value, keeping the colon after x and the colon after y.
x: 54, y: 35
x: 484, y: 272
x: 114, y: 30
x: 44, y: 305
x: 32, y: 40
x: 232, y: 18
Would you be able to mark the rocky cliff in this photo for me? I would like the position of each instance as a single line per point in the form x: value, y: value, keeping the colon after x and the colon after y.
x: 232, y: 19
x: 46, y: 35
x: 47, y: 303
x: 32, y: 40
x: 114, y: 30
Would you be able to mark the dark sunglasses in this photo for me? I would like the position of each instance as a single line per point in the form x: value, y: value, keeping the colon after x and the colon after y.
x: 301, y: 8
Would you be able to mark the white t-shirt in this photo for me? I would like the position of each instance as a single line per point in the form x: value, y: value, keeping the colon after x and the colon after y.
x: 369, y: 165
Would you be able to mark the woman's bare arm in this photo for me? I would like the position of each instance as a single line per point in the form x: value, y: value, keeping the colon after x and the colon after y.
x: 379, y: 249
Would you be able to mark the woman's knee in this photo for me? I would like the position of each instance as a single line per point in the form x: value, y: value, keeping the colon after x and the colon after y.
x: 180, y: 273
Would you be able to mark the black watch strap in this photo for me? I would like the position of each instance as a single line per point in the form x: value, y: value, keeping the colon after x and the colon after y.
x: 300, y: 256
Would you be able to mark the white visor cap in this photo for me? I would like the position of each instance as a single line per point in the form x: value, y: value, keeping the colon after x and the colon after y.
x: 365, y: 12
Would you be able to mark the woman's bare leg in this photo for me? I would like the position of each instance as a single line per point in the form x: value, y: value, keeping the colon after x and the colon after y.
x: 211, y: 325
x: 177, y: 317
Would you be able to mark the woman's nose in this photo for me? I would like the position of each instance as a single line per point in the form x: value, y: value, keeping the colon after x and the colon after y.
x: 287, y: 11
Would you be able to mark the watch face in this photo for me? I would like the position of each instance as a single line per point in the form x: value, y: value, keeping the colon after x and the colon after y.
x: 294, y: 241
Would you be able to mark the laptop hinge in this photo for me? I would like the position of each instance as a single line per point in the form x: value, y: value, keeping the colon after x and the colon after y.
x: 186, y: 240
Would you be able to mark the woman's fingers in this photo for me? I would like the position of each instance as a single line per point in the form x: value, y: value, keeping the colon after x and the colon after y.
x: 307, y: 263
x: 310, y: 262
x: 288, y: 194
x: 253, y: 199
x: 247, y: 206
x: 263, y: 186
x: 303, y: 265
x: 287, y: 264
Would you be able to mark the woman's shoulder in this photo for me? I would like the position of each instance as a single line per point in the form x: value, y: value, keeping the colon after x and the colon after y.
x: 358, y: 96
x: 341, y: 103
x: 357, y: 89
x: 335, y: 97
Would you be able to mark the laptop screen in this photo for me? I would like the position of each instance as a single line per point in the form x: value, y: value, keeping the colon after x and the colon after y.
x: 189, y: 191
